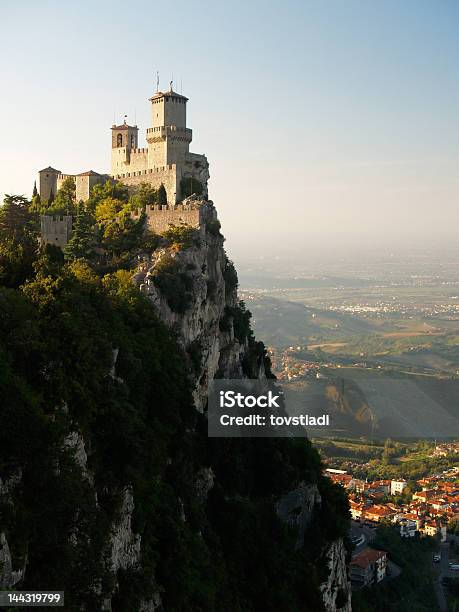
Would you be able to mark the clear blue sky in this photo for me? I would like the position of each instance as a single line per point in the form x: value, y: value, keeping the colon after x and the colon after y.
x: 326, y: 122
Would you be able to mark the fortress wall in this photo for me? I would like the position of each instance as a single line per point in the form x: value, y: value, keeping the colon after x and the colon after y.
x: 138, y: 160
x: 154, y: 177
x: 159, y: 219
x: 85, y: 183
x: 61, y: 178
x: 129, y: 160
x: 55, y: 230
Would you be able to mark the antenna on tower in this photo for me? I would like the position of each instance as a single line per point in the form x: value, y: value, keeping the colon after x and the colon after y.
x: 172, y: 82
x: 157, y: 81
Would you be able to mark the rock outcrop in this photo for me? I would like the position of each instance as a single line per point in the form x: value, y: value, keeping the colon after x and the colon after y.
x: 296, y: 508
x: 212, y: 347
x: 8, y: 576
x: 205, y: 324
x: 336, y: 591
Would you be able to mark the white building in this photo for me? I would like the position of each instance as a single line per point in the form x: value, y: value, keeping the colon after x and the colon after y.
x: 397, y: 486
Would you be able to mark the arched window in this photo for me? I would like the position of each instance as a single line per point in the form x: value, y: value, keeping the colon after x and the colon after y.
x: 132, y: 141
x: 119, y: 140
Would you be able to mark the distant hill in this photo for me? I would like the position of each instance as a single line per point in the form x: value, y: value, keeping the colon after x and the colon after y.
x: 282, y: 323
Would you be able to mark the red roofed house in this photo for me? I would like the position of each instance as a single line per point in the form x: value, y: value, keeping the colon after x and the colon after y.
x: 376, y: 513
x: 368, y: 567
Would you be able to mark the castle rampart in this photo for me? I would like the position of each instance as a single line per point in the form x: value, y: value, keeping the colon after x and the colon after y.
x: 56, y: 229
x: 160, y: 218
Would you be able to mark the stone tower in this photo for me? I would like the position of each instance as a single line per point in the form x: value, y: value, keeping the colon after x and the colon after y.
x: 167, y: 159
x: 168, y: 138
x: 47, y: 182
x: 125, y: 138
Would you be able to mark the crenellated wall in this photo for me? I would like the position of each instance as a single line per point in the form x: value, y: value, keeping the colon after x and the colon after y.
x: 55, y: 230
x: 160, y: 218
x: 166, y: 175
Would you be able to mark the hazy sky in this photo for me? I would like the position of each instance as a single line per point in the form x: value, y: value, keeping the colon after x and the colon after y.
x: 326, y: 122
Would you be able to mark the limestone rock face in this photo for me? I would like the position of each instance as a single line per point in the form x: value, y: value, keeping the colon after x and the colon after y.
x: 336, y: 591
x: 124, y: 545
x: 8, y: 576
x: 296, y: 508
x: 199, y: 326
x: 75, y: 443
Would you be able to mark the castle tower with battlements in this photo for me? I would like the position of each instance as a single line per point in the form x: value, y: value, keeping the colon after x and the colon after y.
x: 167, y: 158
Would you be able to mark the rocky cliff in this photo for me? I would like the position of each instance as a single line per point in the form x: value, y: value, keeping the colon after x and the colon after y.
x: 209, y: 324
x: 115, y: 493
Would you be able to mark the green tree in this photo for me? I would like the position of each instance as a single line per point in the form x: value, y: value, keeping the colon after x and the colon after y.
x: 108, y: 209
x: 162, y: 195
x: 102, y: 191
x: 36, y: 206
x: 144, y: 196
x: 64, y: 202
x: 35, y: 190
x: 123, y: 235
x: 82, y: 240
x: 15, y: 219
x: 18, y: 240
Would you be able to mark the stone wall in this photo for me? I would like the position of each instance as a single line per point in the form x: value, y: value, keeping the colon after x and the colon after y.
x: 160, y: 218
x: 126, y: 160
x: 55, y: 230
x: 84, y: 182
x: 167, y: 175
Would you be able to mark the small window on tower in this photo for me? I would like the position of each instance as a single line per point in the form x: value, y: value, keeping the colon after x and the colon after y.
x: 119, y: 140
x: 132, y: 141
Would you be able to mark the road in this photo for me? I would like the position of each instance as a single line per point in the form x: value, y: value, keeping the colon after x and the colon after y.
x: 444, y: 571
x: 357, y: 530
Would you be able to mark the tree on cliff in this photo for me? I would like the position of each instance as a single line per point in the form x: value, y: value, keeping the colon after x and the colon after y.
x: 82, y: 241
x: 162, y: 195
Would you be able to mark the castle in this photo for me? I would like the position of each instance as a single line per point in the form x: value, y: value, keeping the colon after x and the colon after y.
x: 166, y: 159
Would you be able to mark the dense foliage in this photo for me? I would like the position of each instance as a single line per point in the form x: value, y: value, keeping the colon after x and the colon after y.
x: 82, y: 350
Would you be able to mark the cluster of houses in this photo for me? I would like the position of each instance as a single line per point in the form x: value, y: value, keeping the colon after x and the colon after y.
x: 427, y: 512
x: 443, y: 450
